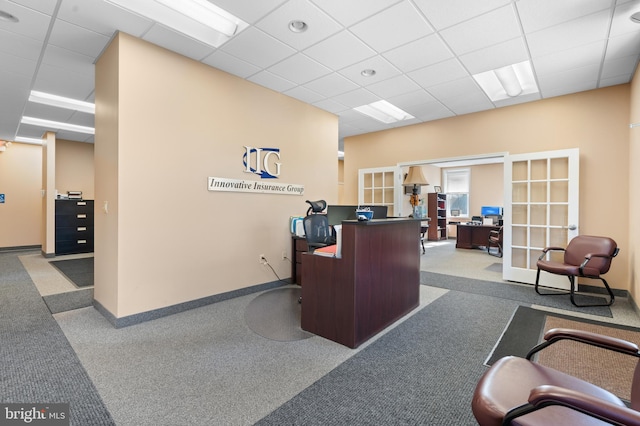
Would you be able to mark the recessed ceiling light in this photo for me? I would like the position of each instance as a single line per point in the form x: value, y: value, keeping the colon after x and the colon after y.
x: 508, y: 82
x: 298, y: 26
x: 6, y: 16
x: 368, y: 72
x: 636, y: 17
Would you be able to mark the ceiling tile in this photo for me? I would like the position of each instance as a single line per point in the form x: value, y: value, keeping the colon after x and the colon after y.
x: 340, y: 50
x: 303, y: 94
x: 485, y: 30
x: 439, y: 73
x: 539, y: 14
x: 468, y: 103
x: 299, y: 68
x: 622, y: 24
x: 231, y: 64
x: 330, y: 106
x: 77, y: 39
x: 565, y: 87
x: 17, y: 68
x: 44, y: 6
x: 102, y: 17
x: 19, y: 45
x: 393, y: 87
x: 619, y: 66
x: 320, y: 26
x: 413, y: 26
x: 499, y: 55
x: 61, y: 81
x: 409, y: 100
x: 272, y: 81
x: 624, y: 45
x: 356, y: 98
x: 571, y: 34
x: 582, y: 77
x: 443, y: 14
x: 580, y: 56
x: 430, y: 111
x: 177, y: 42
x: 350, y: 12
x: 243, y: 46
x: 331, y: 85
x: 419, y: 53
x: 452, y: 89
x: 72, y: 61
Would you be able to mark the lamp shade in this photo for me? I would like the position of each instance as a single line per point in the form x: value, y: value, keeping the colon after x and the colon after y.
x: 415, y: 177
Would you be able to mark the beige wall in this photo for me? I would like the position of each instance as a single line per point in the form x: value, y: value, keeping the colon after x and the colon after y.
x: 74, y: 167
x: 634, y: 189
x: 21, y: 182
x: 596, y: 122
x: 164, y: 123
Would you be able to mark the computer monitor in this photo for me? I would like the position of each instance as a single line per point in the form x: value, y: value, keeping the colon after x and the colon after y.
x: 337, y: 213
x: 490, y: 211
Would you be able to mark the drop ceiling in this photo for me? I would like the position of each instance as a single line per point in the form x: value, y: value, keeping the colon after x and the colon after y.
x: 424, y: 53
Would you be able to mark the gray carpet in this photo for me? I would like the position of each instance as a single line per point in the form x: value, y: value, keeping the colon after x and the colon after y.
x: 78, y: 271
x: 518, y: 292
x: 275, y: 315
x: 38, y: 363
x: 422, y: 372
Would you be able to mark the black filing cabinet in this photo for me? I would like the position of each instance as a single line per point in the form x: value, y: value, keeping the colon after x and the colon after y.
x: 74, y: 226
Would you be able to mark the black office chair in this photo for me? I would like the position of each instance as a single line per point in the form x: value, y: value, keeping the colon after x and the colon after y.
x: 317, y: 230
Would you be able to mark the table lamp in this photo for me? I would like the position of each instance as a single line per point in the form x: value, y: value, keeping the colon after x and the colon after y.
x: 415, y: 178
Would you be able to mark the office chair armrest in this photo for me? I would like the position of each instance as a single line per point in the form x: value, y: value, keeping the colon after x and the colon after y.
x: 547, y: 395
x: 606, y: 342
x: 548, y: 249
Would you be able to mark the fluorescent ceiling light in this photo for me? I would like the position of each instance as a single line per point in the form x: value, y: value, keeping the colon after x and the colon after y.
x: 33, y: 141
x: 197, y: 19
x: 61, y: 102
x: 340, y: 154
x: 384, y: 111
x: 508, y: 82
x: 48, y: 124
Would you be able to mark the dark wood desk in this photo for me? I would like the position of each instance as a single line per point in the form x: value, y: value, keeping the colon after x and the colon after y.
x: 470, y: 236
x: 376, y: 282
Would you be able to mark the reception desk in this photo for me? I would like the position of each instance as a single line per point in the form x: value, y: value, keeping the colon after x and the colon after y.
x: 470, y: 236
x: 375, y: 282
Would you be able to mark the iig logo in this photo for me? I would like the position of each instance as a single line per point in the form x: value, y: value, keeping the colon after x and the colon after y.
x: 258, y: 161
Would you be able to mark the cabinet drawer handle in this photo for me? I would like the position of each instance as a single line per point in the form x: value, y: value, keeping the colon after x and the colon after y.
x: 82, y: 228
x: 81, y: 216
x: 82, y: 241
x: 81, y: 203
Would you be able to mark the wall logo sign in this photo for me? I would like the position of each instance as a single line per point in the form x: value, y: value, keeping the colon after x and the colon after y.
x: 263, y: 162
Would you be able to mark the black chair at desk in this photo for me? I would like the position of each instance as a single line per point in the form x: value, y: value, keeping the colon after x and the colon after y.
x: 317, y: 230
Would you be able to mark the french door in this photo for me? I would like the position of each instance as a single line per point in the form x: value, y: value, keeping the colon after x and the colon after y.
x: 540, y: 210
x: 377, y: 187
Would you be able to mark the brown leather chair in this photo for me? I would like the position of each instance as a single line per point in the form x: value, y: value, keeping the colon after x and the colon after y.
x: 517, y: 391
x: 495, y: 240
x: 585, y: 256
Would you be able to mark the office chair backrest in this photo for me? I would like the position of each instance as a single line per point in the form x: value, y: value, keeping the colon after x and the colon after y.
x: 317, y: 230
x: 582, y: 245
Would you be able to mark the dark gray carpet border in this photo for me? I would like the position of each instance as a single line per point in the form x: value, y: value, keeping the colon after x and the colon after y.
x: 78, y: 271
x: 520, y: 293
x: 38, y: 363
x: 423, y: 372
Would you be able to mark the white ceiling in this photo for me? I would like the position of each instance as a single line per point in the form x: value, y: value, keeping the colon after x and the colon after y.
x: 424, y: 52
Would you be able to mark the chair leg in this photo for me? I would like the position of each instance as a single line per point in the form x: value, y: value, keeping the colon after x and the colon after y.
x: 572, y: 291
x: 606, y: 286
x: 555, y: 293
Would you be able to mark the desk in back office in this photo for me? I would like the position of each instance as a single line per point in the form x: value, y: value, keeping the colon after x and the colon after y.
x: 470, y: 236
x: 376, y: 282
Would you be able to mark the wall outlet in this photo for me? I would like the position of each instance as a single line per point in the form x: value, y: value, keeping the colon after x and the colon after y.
x: 262, y: 259
x: 284, y: 255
